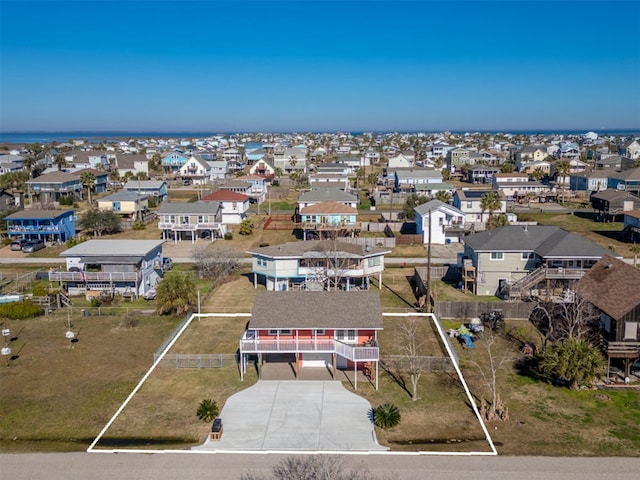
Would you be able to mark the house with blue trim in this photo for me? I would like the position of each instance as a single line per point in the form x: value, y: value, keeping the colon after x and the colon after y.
x: 628, y: 180
x: 152, y: 188
x: 48, y: 225
x: 102, y: 179
x: 174, y: 161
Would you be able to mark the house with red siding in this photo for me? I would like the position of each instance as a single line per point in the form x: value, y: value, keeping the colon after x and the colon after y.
x: 296, y: 327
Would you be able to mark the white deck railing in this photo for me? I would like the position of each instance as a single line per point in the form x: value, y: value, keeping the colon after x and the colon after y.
x: 351, y: 352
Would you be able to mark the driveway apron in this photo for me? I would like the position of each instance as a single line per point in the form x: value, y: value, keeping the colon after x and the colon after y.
x: 296, y: 415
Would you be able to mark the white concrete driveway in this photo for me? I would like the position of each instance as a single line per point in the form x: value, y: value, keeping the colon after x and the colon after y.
x: 295, y: 415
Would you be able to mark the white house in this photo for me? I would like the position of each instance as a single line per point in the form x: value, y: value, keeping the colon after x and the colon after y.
x: 447, y: 222
x: 195, y: 169
x: 234, y: 205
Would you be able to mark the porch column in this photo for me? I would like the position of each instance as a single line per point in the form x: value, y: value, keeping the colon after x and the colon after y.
x: 355, y: 375
x: 241, y: 366
x: 380, y: 281
x: 377, y: 374
x: 255, y: 280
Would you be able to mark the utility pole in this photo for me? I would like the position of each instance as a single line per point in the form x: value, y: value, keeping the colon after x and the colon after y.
x: 428, y: 302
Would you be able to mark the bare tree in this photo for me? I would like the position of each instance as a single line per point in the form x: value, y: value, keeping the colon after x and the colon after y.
x: 214, y: 263
x: 410, y: 346
x: 496, y: 358
x: 574, y: 317
x: 313, y: 467
x: 330, y: 261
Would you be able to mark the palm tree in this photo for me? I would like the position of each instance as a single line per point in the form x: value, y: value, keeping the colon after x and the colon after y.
x: 490, y: 202
x: 444, y: 196
x: 207, y: 410
x: 60, y: 161
x: 88, y: 181
x: 176, y: 293
x: 573, y: 361
x: 386, y: 415
x: 562, y: 170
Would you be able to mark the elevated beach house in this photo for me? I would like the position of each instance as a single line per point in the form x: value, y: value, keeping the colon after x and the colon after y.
x: 317, y: 265
x: 111, y: 267
x: 190, y: 221
x: 48, y: 225
x: 331, y: 330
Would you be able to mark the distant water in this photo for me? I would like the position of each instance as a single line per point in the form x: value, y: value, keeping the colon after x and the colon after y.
x: 96, y: 137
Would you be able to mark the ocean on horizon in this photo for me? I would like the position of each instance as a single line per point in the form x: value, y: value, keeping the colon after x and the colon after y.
x: 96, y: 136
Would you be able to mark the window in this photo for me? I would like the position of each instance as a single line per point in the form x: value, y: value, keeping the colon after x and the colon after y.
x: 203, y: 218
x: 184, y: 219
x: 319, y: 331
x: 262, y: 262
x: 469, y: 204
x: 234, y: 206
x: 497, y: 255
x: 346, y: 335
x: 527, y: 255
x: 282, y: 332
x: 373, y: 261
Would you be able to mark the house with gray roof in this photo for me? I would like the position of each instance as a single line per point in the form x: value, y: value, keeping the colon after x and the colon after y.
x: 129, y: 205
x: 152, y: 188
x: 408, y: 179
x: 522, y: 261
x: 318, y: 195
x: 191, y: 221
x: 295, y: 328
x: 317, y: 265
x: 111, y: 267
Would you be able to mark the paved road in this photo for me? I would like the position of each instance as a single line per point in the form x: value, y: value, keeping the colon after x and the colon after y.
x: 107, y: 466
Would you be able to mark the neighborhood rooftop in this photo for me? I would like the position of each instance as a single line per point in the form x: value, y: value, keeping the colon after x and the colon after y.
x: 120, y: 247
x: 546, y: 241
x: 316, y: 248
x: 297, y: 310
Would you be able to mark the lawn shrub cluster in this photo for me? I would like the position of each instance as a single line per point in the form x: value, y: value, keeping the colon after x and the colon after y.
x: 20, y: 310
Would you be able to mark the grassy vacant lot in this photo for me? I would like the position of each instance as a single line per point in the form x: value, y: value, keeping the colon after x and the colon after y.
x: 56, y: 398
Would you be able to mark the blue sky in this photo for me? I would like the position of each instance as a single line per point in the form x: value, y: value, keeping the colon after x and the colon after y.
x: 318, y: 65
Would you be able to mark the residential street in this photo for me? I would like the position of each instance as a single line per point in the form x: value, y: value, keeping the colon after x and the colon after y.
x: 169, y: 466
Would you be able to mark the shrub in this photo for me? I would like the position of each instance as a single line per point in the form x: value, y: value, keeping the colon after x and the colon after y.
x: 95, y: 302
x: 40, y: 289
x: 228, y: 236
x: 66, y: 200
x: 386, y: 415
x: 138, y: 225
x: 20, y: 310
x: 207, y: 410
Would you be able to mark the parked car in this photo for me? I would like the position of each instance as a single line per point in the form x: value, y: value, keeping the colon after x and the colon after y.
x: 18, y: 244
x: 33, y: 246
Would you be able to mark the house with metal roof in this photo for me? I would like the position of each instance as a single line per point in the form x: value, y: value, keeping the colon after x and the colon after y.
x: 191, y: 221
x: 153, y: 188
x: 48, y: 225
x: 108, y: 267
x: 317, y: 265
x: 530, y: 260
x: 295, y: 328
x: 407, y: 180
x: 129, y: 205
x: 318, y: 195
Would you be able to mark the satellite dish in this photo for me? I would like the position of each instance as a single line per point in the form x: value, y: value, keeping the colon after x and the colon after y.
x: 69, y: 334
x: 5, y: 351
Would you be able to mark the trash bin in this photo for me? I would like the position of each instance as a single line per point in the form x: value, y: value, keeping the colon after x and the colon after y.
x: 216, y: 429
x: 86, y: 313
